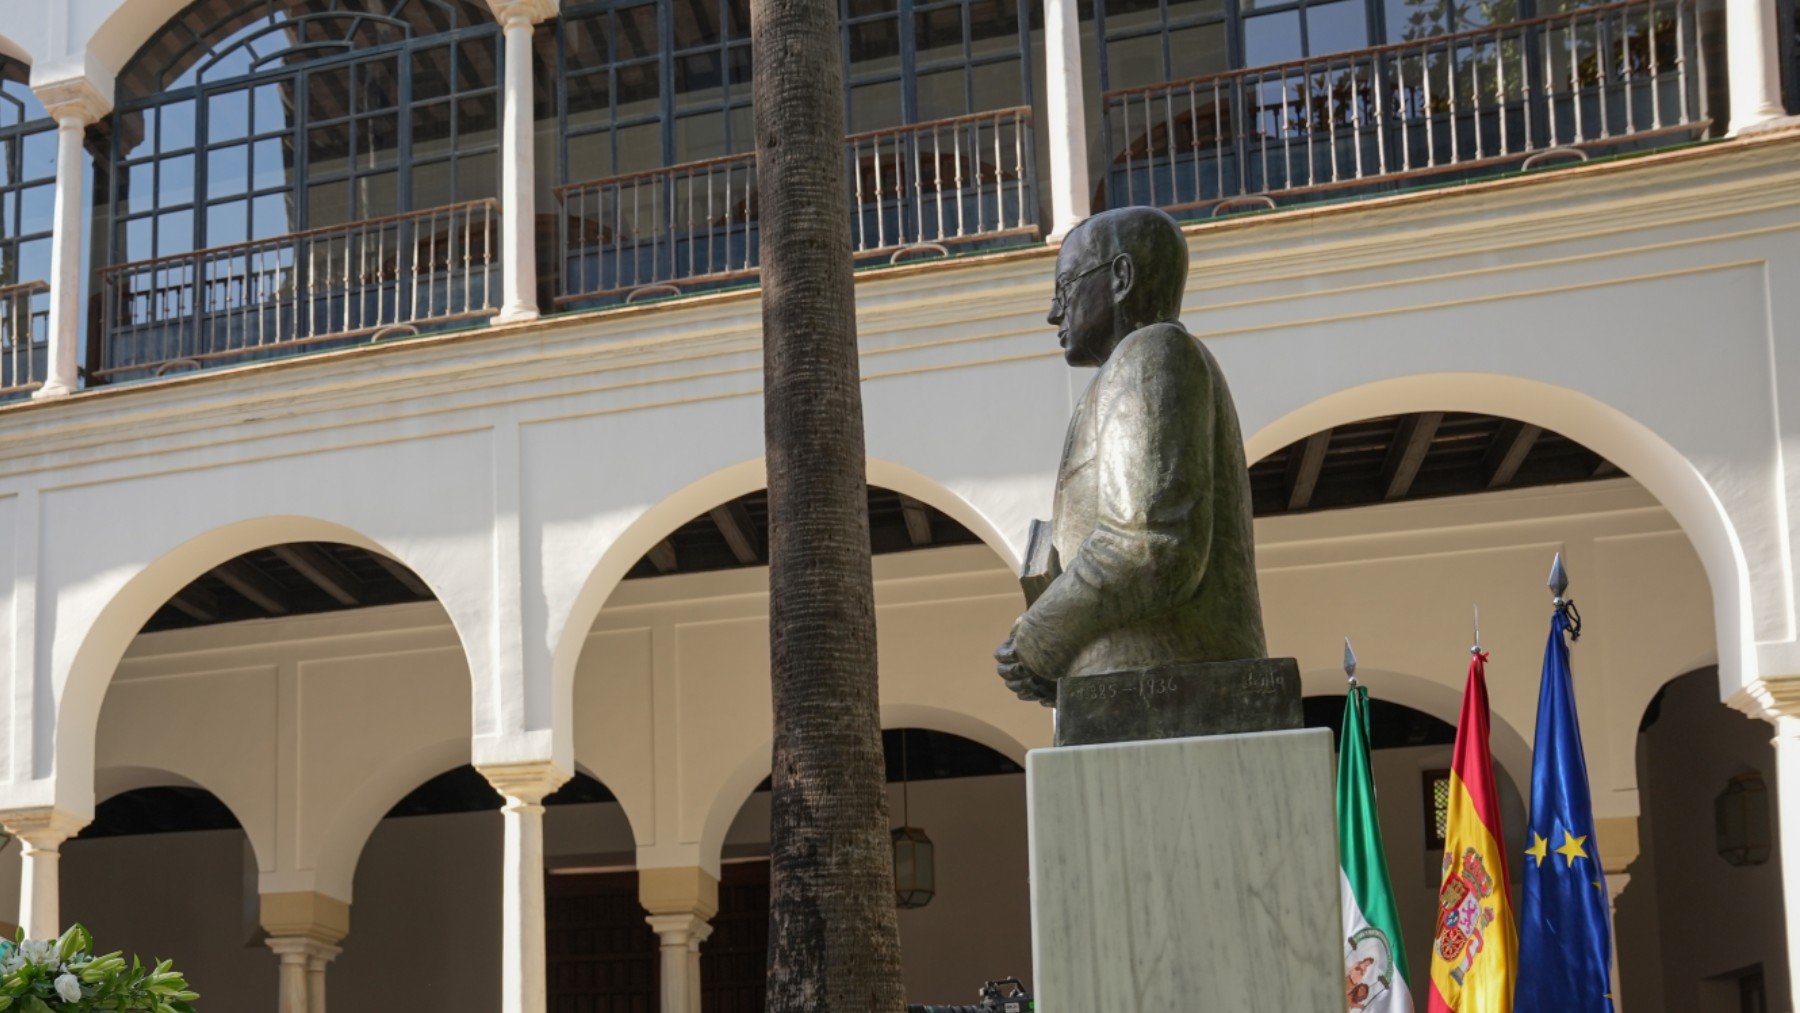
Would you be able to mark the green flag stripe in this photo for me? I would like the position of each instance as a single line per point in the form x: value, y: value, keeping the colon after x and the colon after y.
x: 1361, y: 854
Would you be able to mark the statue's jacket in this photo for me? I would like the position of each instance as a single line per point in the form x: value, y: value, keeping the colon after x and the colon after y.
x: 1152, y: 524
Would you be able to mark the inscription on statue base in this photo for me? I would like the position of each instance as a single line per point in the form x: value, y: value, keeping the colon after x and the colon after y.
x: 1179, y: 701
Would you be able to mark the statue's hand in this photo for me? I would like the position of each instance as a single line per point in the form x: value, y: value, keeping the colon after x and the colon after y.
x: 1019, y: 677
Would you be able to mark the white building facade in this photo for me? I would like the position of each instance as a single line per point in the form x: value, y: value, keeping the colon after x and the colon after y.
x: 385, y: 401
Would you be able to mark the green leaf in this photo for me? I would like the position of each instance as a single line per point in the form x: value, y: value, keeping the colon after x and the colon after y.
x: 33, y: 1004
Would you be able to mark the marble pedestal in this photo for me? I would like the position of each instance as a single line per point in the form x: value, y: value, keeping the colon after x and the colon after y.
x: 1186, y: 875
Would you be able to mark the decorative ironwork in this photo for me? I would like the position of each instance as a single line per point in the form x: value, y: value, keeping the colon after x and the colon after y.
x: 24, y: 331
x: 951, y: 181
x: 273, y: 296
x: 1614, y: 77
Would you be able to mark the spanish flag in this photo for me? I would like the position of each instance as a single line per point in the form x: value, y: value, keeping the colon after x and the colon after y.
x: 1474, y: 954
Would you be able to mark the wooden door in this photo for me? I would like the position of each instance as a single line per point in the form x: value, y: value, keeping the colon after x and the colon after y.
x: 602, y: 954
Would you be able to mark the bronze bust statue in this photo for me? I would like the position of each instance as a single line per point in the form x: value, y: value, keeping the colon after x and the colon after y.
x: 1153, y: 559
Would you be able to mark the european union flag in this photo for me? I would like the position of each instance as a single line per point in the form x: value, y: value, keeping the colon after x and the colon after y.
x: 1565, y: 951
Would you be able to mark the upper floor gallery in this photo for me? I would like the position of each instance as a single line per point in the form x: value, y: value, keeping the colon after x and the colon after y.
x: 183, y: 187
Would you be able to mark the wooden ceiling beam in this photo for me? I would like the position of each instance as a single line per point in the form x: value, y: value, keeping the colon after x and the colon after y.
x: 918, y: 521
x: 197, y: 603
x: 246, y: 580
x: 326, y: 573
x: 1512, y: 444
x: 662, y: 556
x: 733, y: 522
x: 1407, y: 453
x: 1305, y: 461
x: 406, y: 577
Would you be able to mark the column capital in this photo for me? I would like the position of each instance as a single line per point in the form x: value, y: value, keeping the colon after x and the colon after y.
x: 75, y: 98
x: 682, y: 890
x: 1770, y: 698
x: 533, y: 11
x: 43, y: 828
x: 677, y: 930
x: 302, y: 949
x: 304, y: 915
x: 525, y: 782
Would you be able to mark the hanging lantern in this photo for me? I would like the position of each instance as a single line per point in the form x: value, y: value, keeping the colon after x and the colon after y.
x: 915, y: 872
x: 915, y: 864
x: 1741, y: 820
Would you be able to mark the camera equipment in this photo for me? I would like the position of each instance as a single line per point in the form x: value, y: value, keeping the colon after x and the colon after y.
x: 1007, y: 995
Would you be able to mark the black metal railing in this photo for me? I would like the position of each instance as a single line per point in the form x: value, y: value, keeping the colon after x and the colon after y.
x: 928, y: 185
x: 24, y: 337
x: 391, y: 275
x: 1600, y: 79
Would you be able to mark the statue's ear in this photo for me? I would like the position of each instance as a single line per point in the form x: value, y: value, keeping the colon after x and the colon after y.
x: 1124, y: 274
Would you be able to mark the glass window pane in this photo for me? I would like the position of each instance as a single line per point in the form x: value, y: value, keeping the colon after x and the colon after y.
x: 696, y: 22
x: 1134, y: 62
x: 228, y: 115
x: 1415, y: 19
x: 1198, y: 51
x: 328, y: 94
x: 588, y: 96
x: 699, y: 78
x: 38, y: 156
x: 477, y: 176
x: 227, y: 171
x: 174, y: 233
x: 432, y: 185
x: 138, y: 239
x: 938, y: 29
x: 874, y: 45
x: 861, y: 8
x: 137, y: 131
x: 634, y: 32
x: 377, y: 195
x: 1336, y: 27
x: 431, y: 72
x: 37, y: 209
x: 998, y: 86
x: 590, y: 156
x: 33, y: 262
x: 875, y: 106
x: 639, y: 86
x: 227, y: 223
x: 377, y: 85
x: 478, y: 65
x: 327, y: 204
x: 431, y: 123
x: 328, y: 148
x: 1272, y: 38
x: 378, y: 142
x: 640, y: 147
x: 477, y: 121
x: 175, y: 181
x: 175, y: 122
x: 274, y: 165
x: 274, y: 106
x: 942, y: 94
x: 272, y: 215
x: 701, y: 136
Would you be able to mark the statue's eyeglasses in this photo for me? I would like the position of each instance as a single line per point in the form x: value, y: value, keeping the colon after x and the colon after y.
x: 1061, y: 296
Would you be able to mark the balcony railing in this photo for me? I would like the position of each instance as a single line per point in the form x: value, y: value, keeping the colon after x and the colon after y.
x: 927, y: 185
x: 1602, y: 79
x: 24, y: 336
x: 385, y: 276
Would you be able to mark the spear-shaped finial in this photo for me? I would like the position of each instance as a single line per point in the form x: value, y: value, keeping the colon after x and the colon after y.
x: 1559, y: 579
x: 1349, y: 662
x: 1475, y: 647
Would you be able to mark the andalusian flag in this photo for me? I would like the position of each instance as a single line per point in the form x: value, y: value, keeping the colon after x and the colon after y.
x: 1374, y: 958
x: 1474, y: 953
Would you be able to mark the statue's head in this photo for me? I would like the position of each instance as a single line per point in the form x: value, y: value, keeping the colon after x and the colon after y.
x: 1117, y: 271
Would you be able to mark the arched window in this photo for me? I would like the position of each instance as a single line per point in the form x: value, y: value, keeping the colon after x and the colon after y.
x: 656, y: 152
x: 247, y: 126
x: 27, y: 201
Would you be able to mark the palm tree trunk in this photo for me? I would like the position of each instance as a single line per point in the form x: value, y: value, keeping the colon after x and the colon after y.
x: 834, y: 942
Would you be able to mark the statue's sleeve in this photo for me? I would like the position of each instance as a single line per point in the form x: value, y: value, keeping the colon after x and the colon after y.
x: 1149, y: 547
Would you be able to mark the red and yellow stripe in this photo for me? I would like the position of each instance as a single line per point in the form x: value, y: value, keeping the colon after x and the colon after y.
x: 1474, y: 955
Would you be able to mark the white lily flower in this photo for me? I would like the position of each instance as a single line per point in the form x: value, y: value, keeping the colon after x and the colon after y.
x: 39, y: 951
x: 69, y: 987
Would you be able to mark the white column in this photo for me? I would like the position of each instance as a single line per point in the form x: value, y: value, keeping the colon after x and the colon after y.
x: 315, y: 977
x: 695, y: 938
x: 680, y: 936
x: 1065, y: 117
x: 41, y: 832
x: 518, y: 178
x: 523, y: 787
x: 75, y: 104
x: 1753, y: 64
x: 295, y: 953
